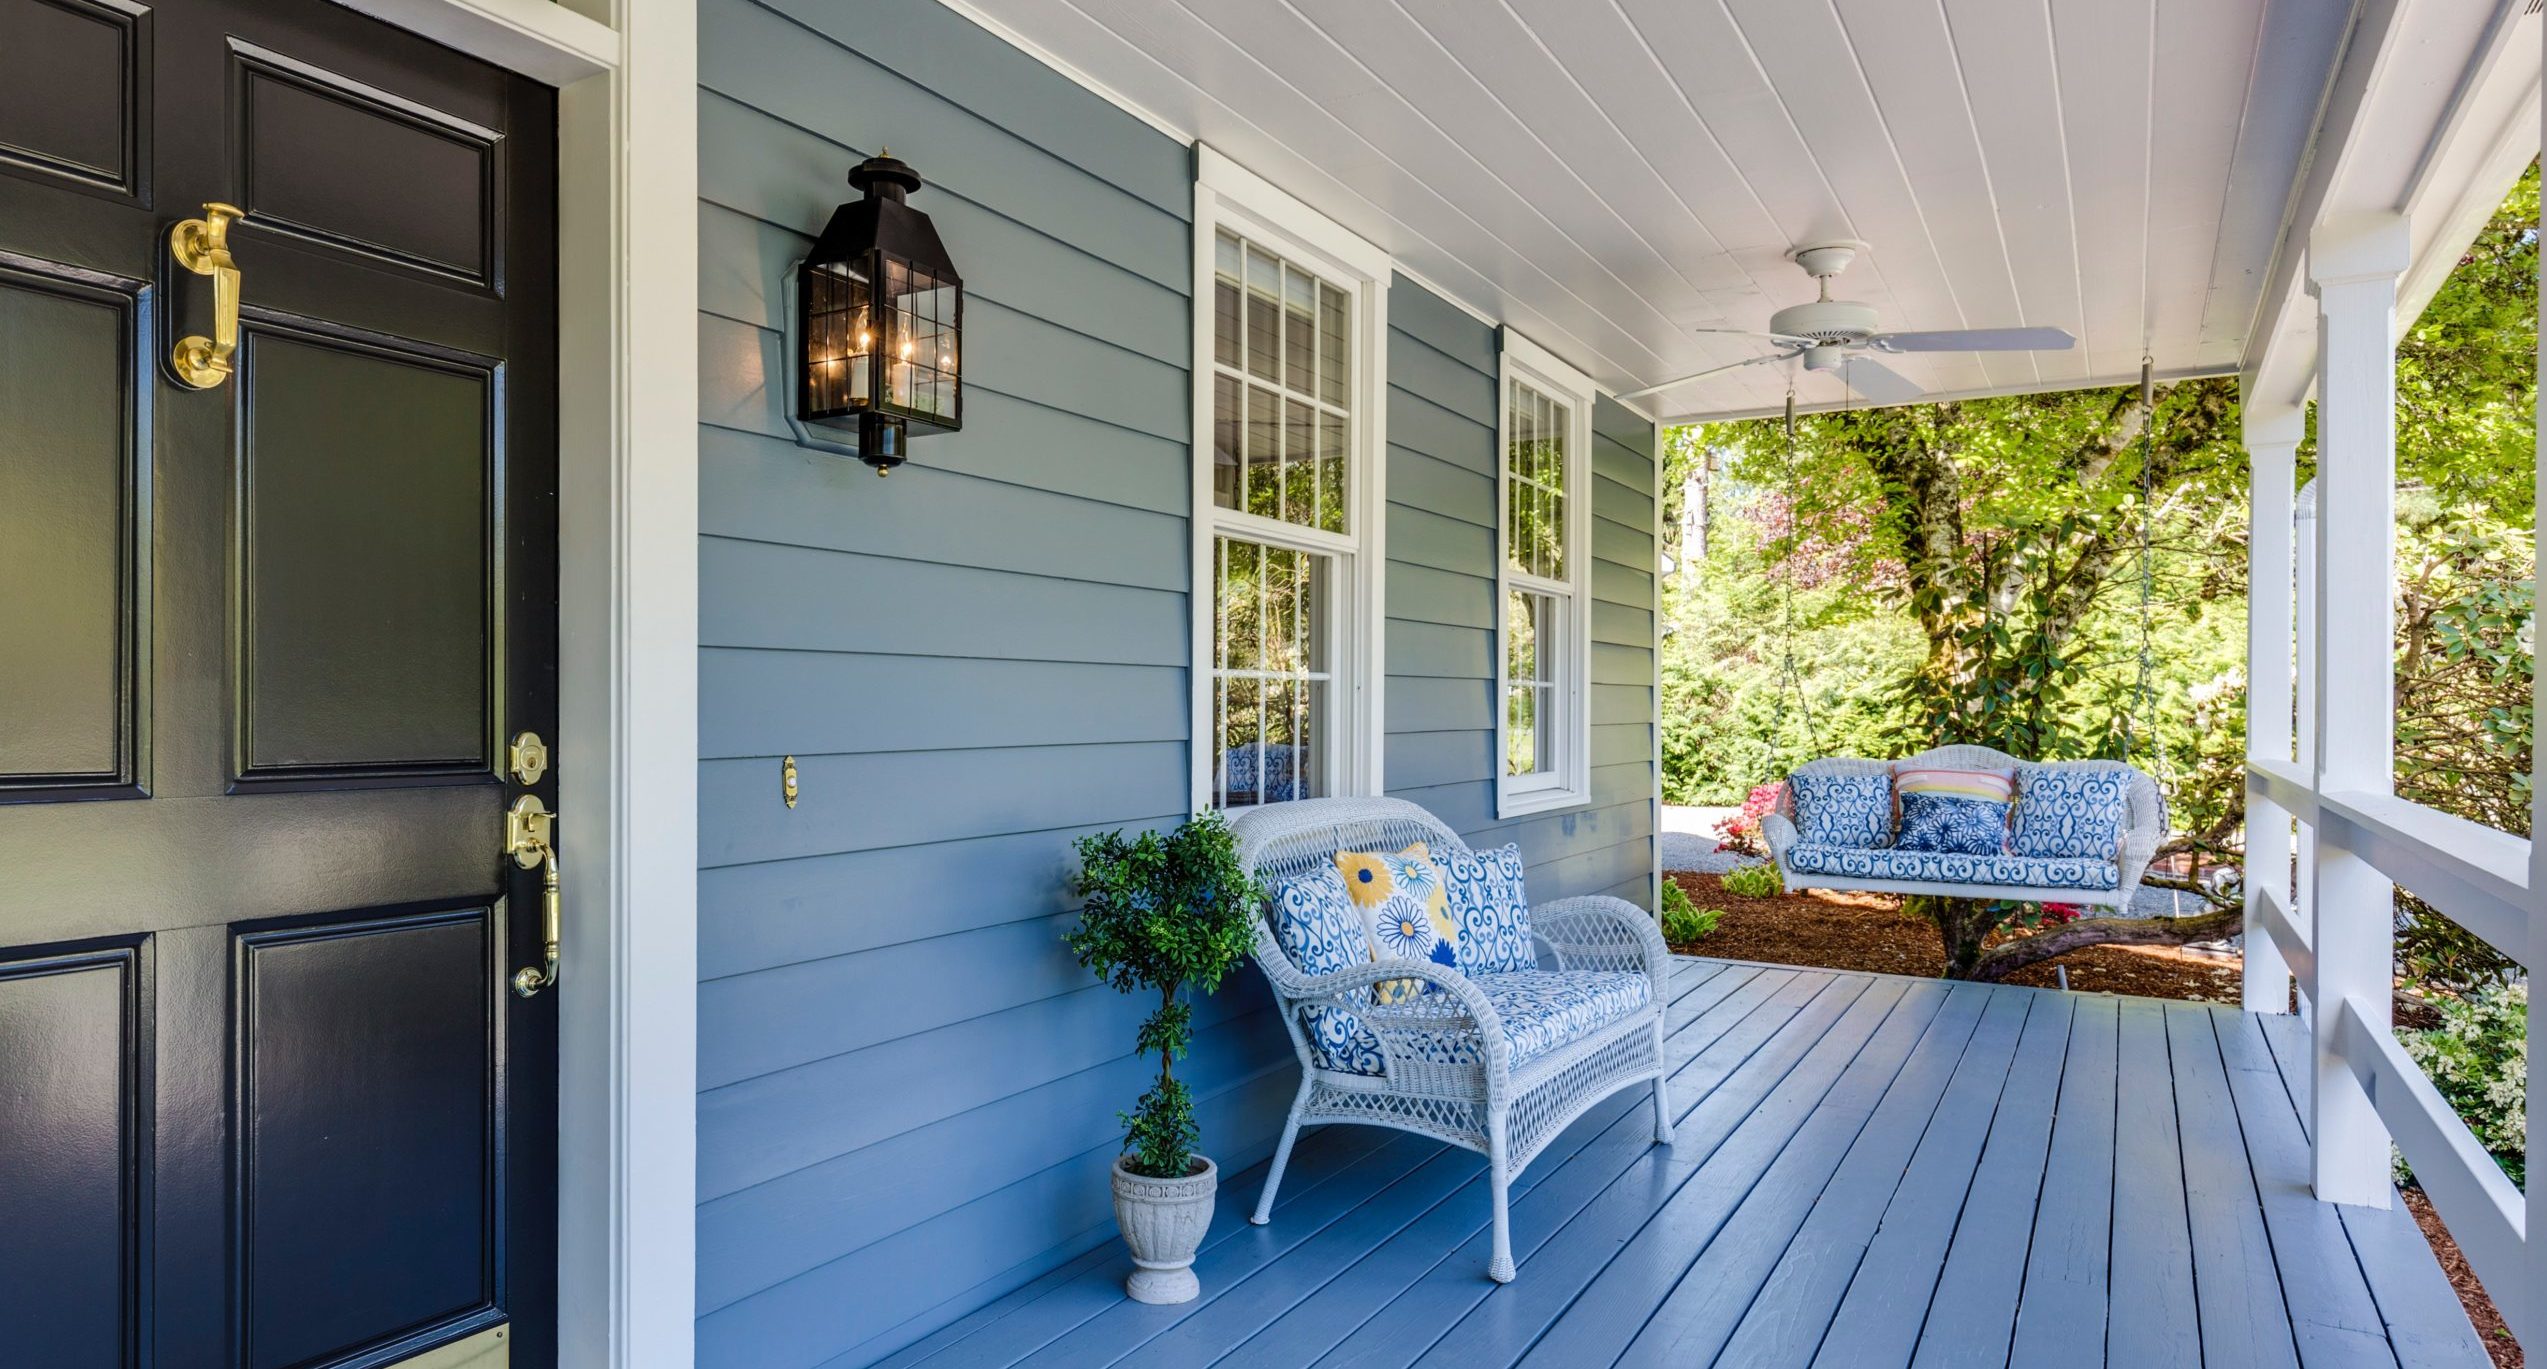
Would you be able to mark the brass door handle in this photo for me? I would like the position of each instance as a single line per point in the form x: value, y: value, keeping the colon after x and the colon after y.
x: 203, y: 247
x: 530, y: 832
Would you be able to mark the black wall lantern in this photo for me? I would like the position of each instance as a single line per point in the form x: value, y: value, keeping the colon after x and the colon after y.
x: 880, y: 318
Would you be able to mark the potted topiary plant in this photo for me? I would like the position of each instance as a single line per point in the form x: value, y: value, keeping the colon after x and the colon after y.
x: 1162, y: 914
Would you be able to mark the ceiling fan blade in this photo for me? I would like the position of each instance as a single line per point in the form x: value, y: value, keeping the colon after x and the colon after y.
x: 1700, y: 375
x: 1977, y: 340
x: 1880, y: 383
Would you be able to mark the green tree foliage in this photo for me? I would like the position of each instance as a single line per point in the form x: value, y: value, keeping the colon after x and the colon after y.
x: 1973, y: 572
x: 1163, y: 913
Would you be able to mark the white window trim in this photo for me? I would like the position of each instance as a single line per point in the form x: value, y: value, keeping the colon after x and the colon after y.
x: 1569, y: 783
x: 1229, y: 195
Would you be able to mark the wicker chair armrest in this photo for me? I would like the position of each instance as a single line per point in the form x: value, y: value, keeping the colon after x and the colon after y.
x: 1598, y: 932
x: 1780, y: 831
x: 1409, y: 1030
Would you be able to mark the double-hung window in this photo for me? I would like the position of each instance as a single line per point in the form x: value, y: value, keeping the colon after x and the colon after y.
x: 1288, y: 497
x: 1543, y: 720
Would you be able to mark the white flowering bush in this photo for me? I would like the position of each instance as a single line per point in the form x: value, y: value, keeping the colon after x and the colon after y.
x: 2479, y: 1058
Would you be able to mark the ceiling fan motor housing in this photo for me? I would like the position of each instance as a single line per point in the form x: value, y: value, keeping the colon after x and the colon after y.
x: 1826, y: 321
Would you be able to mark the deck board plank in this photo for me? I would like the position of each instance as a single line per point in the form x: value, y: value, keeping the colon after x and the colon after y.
x: 1412, y: 1321
x: 1878, y: 1318
x: 1976, y: 1299
x: 1866, y: 1170
x: 2333, y: 1318
x: 2153, y: 1242
x: 1701, y: 1228
x: 1713, y: 1165
x: 1899, y: 1076
x: 2238, y: 1293
x: 2417, y: 1306
x: 2061, y: 1319
x: 1783, y: 1324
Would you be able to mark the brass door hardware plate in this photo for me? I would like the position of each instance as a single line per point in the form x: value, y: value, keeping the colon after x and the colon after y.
x: 787, y: 780
x: 527, y: 758
x: 528, y: 830
x: 203, y: 247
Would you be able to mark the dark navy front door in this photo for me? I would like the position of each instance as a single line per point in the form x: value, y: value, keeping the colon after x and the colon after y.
x: 267, y: 624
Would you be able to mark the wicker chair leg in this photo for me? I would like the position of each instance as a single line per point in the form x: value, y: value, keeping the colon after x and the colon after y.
x: 1662, y: 1090
x: 1499, y: 1181
x: 1281, y: 1155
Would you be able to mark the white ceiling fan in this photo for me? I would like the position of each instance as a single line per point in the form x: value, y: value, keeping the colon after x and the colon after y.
x: 1836, y: 335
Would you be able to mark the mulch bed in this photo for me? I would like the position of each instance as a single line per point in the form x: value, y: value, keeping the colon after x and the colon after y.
x: 1869, y: 932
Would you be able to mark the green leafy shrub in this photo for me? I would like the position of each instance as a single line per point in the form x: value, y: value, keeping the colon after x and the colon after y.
x: 2479, y: 1058
x: 1754, y: 881
x: 1683, y: 921
x: 1163, y: 913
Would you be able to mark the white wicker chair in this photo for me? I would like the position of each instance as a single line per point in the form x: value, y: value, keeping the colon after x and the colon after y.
x: 1504, y: 1112
x: 2144, y: 828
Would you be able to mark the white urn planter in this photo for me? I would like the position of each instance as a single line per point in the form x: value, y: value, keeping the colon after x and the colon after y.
x: 1163, y: 1220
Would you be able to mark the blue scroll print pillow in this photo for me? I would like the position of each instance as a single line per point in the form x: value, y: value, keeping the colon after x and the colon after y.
x: 1844, y: 810
x: 2070, y: 811
x: 1492, y: 912
x: 1952, y: 823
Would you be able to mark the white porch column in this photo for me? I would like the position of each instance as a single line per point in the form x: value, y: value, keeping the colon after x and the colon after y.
x: 2272, y: 442
x: 2353, y: 267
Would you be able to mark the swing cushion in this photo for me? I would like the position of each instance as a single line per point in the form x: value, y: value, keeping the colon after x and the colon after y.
x: 1952, y: 824
x: 2071, y: 811
x: 1951, y: 867
x: 1844, y: 810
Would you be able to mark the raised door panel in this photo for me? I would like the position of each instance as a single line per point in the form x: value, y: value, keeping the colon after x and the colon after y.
x: 311, y: 144
x: 72, y: 101
x: 69, y: 505
x: 69, y: 1191
x: 366, y: 561
x: 367, y: 1135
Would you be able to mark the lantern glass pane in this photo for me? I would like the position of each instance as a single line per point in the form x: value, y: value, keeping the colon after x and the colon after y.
x: 921, y: 360
x: 839, y: 331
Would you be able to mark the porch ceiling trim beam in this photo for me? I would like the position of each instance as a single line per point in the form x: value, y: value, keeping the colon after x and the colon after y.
x: 2431, y: 113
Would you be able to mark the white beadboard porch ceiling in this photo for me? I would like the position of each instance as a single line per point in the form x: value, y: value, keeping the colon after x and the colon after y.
x: 1607, y: 175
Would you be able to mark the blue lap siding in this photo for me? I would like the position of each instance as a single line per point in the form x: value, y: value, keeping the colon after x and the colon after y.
x: 907, y: 1088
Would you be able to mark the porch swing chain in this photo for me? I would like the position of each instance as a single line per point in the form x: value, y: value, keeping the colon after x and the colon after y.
x: 1790, y: 680
x: 2144, y: 695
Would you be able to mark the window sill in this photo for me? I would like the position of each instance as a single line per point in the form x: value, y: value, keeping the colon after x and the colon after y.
x: 1530, y: 802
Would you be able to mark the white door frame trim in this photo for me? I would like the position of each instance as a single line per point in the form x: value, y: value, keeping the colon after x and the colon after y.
x: 626, y: 73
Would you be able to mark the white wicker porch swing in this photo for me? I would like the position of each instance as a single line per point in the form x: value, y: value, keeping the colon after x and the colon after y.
x: 2105, y: 879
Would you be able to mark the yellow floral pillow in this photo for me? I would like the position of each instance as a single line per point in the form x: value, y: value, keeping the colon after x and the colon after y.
x: 1405, y: 911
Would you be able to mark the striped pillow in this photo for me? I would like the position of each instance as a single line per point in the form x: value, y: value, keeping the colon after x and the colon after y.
x: 1990, y: 786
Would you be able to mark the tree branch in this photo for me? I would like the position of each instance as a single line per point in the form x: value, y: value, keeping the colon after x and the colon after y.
x: 2000, y: 961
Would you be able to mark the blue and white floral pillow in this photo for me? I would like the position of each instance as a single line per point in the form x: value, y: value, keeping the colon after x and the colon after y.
x: 1843, y: 810
x: 1492, y: 913
x: 2070, y: 812
x: 1948, y: 823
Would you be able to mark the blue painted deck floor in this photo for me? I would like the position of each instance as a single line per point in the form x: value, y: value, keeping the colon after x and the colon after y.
x: 1866, y: 1171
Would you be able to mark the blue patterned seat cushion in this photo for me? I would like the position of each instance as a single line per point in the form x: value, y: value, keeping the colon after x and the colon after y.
x: 1951, y: 823
x: 1949, y: 867
x: 2069, y: 811
x: 1541, y: 1011
x: 1491, y: 911
x: 1843, y: 810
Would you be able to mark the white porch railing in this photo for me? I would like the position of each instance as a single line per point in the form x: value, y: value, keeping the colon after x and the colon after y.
x: 2328, y: 841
